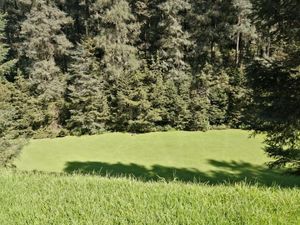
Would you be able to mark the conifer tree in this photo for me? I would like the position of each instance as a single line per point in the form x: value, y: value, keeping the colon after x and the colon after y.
x: 173, y: 45
x: 9, y: 145
x: 143, y: 13
x: 43, y: 54
x: 157, y: 97
x: 274, y: 82
x: 117, y: 32
x: 174, y: 40
x: 211, y: 23
x: 86, y: 100
x: 15, y: 12
x: 200, y: 103
x: 5, y: 109
x: 133, y: 105
x: 244, y: 31
x: 80, y: 11
x: 5, y: 65
x: 209, y: 97
x: 148, y: 65
x: 218, y: 96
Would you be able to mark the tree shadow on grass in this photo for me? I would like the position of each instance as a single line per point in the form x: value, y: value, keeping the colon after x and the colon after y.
x: 224, y: 173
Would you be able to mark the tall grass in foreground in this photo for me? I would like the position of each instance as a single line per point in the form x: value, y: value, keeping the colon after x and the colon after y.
x: 28, y: 198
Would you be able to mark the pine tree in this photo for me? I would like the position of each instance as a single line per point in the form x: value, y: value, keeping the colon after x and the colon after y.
x: 244, y: 31
x: 143, y: 13
x: 7, y: 149
x: 5, y: 65
x: 173, y: 45
x: 274, y: 84
x: 9, y: 145
x: 210, y: 24
x: 15, y: 12
x: 237, y: 96
x: 133, y: 105
x: 200, y: 103
x: 178, y: 114
x: 4, y: 89
x: 218, y: 96
x: 86, y: 99
x: 209, y: 97
x: 117, y: 32
x: 222, y: 35
x: 199, y: 110
x: 80, y: 11
x: 157, y: 96
x: 174, y: 40
x: 43, y: 54
x: 43, y: 38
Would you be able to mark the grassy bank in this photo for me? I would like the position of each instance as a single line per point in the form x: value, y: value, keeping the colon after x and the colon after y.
x: 28, y: 198
x: 213, y: 157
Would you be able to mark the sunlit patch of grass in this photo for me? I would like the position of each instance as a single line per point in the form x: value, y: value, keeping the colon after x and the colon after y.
x: 214, y: 157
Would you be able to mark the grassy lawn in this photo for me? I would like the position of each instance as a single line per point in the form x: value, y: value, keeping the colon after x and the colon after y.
x: 215, y: 157
x: 34, y: 198
x: 218, y: 177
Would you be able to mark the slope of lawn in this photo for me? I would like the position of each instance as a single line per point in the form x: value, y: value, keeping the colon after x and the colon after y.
x: 214, y: 157
x: 34, y: 198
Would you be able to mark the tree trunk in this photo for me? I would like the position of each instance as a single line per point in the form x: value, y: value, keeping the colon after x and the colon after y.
x: 269, y: 47
x: 238, y: 48
x: 238, y: 40
x: 212, y: 51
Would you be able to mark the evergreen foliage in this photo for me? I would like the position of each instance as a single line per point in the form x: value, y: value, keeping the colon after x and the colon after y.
x: 88, y: 66
x: 86, y: 100
x: 9, y: 146
x: 43, y: 54
x: 274, y: 84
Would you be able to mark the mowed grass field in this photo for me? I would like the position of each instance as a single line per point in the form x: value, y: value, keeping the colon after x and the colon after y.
x: 185, y: 178
x: 214, y: 157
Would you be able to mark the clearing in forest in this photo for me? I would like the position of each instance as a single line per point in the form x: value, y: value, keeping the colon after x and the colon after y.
x: 214, y: 157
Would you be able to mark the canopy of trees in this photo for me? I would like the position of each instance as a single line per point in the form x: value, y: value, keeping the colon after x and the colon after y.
x: 77, y: 67
x: 274, y: 83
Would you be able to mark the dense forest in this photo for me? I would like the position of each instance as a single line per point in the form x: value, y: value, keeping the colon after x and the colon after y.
x: 81, y: 67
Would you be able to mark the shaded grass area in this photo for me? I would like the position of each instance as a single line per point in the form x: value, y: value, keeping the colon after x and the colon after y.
x: 225, y: 173
x: 35, y: 198
x: 214, y: 157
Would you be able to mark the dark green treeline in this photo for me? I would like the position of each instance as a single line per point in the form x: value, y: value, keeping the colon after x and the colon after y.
x: 86, y: 66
